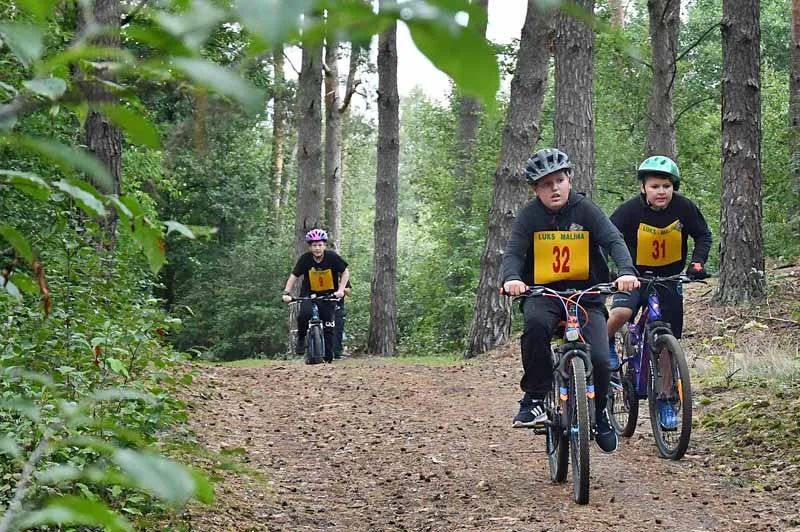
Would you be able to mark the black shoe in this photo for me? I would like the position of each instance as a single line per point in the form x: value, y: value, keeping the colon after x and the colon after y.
x: 605, y: 435
x: 300, y: 347
x: 531, y: 413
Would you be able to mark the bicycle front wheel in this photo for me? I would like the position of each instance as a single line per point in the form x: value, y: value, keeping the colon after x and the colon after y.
x: 670, y: 398
x: 623, y: 400
x: 316, y: 345
x: 578, y: 404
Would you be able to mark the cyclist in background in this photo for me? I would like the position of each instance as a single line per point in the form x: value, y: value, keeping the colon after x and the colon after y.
x: 656, y: 225
x: 324, y: 272
x: 341, y: 318
x: 556, y: 242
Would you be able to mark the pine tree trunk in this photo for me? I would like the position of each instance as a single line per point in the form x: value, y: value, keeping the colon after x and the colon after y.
x: 574, y: 121
x: 101, y: 137
x: 333, y: 144
x: 664, y: 24
x: 383, y: 306
x: 741, y: 248
x: 794, y: 99
x: 278, y: 134
x: 616, y: 10
x: 491, y: 325
x: 469, y: 120
x: 310, y: 183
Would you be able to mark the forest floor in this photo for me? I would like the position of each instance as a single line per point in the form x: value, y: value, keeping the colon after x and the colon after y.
x: 370, y: 444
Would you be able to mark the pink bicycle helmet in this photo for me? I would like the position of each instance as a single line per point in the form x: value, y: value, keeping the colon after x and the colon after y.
x: 316, y: 235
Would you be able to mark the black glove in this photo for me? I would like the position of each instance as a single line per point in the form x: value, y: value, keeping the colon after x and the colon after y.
x: 696, y: 272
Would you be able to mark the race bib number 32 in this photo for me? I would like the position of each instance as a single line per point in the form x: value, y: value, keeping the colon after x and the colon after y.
x: 659, y: 246
x: 320, y: 280
x: 560, y: 256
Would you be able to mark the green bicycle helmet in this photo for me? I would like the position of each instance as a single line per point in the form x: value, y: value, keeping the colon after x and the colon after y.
x: 658, y: 164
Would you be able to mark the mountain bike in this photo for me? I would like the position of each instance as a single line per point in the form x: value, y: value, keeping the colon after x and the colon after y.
x: 570, y: 401
x: 653, y: 366
x: 315, y: 338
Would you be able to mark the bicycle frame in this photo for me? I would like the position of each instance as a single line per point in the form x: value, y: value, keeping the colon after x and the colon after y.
x: 642, y: 333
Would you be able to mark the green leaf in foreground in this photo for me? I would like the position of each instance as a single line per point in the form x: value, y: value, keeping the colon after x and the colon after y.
x: 24, y: 40
x: 72, y: 510
x: 30, y: 184
x: 52, y: 88
x: 17, y: 241
x: 67, y: 157
x: 221, y: 80
x: 172, y: 225
x: 137, y: 127
x: 462, y: 54
x: 85, y: 199
x: 166, y: 479
x: 282, y: 19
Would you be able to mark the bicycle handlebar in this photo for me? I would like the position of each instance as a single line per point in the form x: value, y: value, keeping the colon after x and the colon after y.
x: 327, y: 297
x: 677, y: 277
x: 536, y: 290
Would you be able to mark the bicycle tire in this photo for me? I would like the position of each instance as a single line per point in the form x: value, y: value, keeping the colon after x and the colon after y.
x: 671, y: 444
x: 316, y: 345
x: 623, y: 404
x: 579, y: 430
x: 557, y: 439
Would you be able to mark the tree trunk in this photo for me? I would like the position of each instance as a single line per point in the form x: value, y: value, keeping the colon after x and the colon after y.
x: 469, y: 121
x: 741, y: 275
x: 616, y: 13
x: 278, y: 134
x: 664, y: 24
x: 574, y: 122
x: 309, y: 145
x: 491, y: 324
x: 101, y: 137
x: 383, y: 306
x: 333, y: 143
x: 794, y: 98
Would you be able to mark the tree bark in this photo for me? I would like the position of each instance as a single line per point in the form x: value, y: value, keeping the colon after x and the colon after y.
x: 278, y: 134
x: 574, y: 120
x: 491, y: 325
x: 333, y: 143
x: 383, y: 306
x: 469, y: 120
x: 741, y: 276
x: 794, y: 98
x: 101, y: 137
x: 664, y: 24
x: 309, y: 145
x: 616, y: 9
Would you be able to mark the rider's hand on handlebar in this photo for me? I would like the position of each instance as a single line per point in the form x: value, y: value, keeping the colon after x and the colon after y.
x: 697, y: 272
x: 514, y: 288
x: 286, y: 298
x: 626, y: 283
x: 339, y: 294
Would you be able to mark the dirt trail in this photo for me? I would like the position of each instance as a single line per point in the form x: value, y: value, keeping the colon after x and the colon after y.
x: 369, y: 445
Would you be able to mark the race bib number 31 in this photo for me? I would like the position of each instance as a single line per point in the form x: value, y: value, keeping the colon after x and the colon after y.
x: 320, y: 280
x: 659, y: 246
x: 560, y: 256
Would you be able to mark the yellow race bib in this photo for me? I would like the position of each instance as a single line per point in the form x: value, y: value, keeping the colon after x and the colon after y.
x: 320, y: 280
x: 560, y: 256
x: 659, y: 246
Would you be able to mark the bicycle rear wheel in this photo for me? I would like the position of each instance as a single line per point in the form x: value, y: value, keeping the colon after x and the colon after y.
x: 670, y: 385
x: 578, y: 405
x: 623, y: 400
x: 557, y: 440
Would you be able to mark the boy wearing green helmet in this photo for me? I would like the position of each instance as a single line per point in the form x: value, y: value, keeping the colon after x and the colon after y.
x: 656, y: 225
